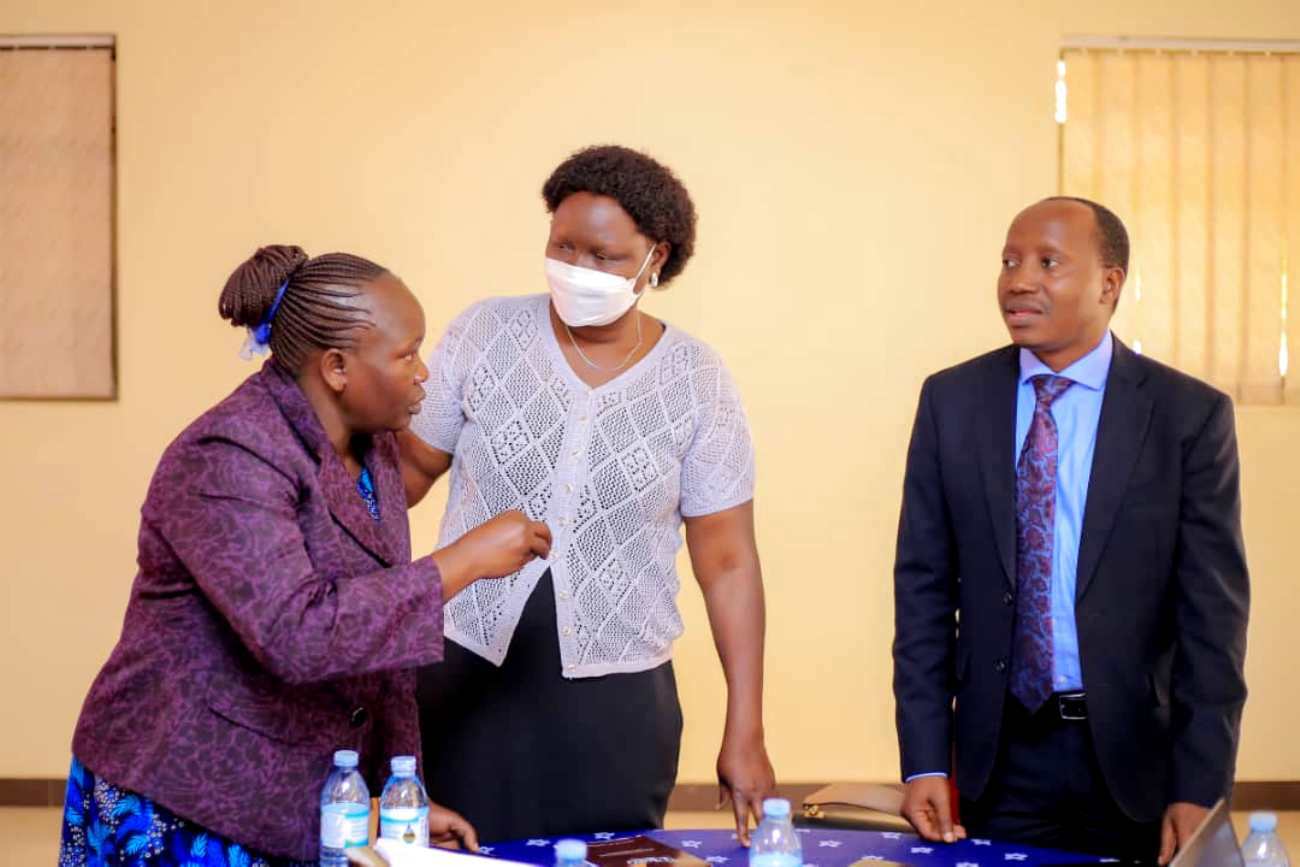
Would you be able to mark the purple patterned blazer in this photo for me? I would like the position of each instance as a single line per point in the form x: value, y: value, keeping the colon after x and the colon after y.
x: 272, y: 621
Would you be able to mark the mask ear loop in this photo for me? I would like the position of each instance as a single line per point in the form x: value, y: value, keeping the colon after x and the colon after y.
x: 654, y: 275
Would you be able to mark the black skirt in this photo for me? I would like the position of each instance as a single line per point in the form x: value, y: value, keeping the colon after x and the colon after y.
x: 520, y: 751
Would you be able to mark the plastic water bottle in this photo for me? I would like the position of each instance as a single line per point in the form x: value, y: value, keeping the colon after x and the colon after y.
x: 570, y: 853
x: 1263, y: 848
x: 344, y: 811
x: 404, y: 805
x: 775, y: 844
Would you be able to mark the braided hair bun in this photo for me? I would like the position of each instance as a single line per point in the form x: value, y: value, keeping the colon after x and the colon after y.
x: 318, y: 309
x: 251, y: 288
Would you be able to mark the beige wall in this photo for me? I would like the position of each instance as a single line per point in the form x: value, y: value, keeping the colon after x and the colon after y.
x: 854, y: 164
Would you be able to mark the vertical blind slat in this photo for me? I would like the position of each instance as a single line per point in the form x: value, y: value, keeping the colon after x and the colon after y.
x: 1155, y: 204
x: 1291, y: 219
x: 1115, y: 166
x: 1194, y: 214
x: 1261, y: 380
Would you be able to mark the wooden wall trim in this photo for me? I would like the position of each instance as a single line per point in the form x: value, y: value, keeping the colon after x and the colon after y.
x: 688, y: 797
x: 23, y: 792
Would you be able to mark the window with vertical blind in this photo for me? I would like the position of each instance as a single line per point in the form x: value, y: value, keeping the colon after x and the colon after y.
x: 1197, y: 147
x: 56, y: 218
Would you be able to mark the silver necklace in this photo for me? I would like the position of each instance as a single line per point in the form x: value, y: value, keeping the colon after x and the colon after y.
x: 591, y: 363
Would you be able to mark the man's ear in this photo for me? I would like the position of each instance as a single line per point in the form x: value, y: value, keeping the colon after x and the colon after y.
x: 334, y: 370
x: 1112, y: 285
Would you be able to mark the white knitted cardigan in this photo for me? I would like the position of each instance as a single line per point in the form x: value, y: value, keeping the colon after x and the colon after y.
x: 611, y: 470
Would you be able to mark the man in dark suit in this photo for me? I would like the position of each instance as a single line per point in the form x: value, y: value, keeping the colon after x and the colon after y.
x: 1070, y: 571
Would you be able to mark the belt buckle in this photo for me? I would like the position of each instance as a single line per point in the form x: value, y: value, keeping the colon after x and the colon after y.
x: 1071, y: 706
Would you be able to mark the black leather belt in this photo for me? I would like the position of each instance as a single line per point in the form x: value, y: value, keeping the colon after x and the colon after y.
x: 1069, y: 705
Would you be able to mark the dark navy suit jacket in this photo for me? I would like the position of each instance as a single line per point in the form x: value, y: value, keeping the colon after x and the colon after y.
x: 1162, y: 595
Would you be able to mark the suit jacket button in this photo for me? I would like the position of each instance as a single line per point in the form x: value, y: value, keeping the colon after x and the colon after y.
x: 1007, y: 598
x: 360, y: 717
x: 1000, y: 665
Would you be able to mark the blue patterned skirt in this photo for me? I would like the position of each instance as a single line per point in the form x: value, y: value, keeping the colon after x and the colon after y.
x: 104, y: 826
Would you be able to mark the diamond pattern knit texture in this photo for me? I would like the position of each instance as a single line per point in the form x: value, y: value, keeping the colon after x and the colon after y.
x: 611, y: 470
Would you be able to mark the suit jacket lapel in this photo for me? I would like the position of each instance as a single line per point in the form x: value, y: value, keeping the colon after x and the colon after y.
x: 385, y: 470
x: 1121, y: 431
x: 997, y: 444
x: 349, y: 510
x: 338, y: 487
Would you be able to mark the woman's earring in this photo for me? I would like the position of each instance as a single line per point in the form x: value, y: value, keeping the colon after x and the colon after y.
x: 654, y: 280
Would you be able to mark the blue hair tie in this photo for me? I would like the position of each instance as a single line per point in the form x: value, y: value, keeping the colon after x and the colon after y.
x: 262, y: 333
x: 260, y: 337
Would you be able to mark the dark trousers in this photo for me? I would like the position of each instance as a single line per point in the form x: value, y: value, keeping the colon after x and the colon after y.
x: 1047, y: 790
x: 520, y: 751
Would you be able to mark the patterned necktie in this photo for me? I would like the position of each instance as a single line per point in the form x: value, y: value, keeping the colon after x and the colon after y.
x: 1031, y: 656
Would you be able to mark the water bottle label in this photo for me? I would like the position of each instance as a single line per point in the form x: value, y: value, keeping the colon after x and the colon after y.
x: 344, y: 826
x: 407, y: 824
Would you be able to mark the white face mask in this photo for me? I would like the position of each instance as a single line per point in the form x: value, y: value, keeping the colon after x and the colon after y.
x: 585, y: 296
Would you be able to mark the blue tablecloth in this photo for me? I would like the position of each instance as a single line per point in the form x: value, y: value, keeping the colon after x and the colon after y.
x: 822, y: 848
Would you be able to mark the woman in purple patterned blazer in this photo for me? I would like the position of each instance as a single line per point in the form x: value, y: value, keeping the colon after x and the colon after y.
x: 277, y: 614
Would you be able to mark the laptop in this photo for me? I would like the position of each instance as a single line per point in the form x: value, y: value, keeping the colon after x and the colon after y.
x: 1214, y: 844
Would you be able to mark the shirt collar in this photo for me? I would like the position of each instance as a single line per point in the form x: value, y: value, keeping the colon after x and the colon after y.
x: 1089, y: 371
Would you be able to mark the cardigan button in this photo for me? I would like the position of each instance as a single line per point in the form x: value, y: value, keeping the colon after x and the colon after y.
x: 1008, y: 598
x: 359, y: 717
x: 1000, y: 666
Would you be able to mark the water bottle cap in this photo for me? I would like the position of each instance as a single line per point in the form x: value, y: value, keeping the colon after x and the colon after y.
x: 571, y: 850
x: 404, y: 766
x: 346, y: 759
x: 777, y: 808
x: 1263, y: 823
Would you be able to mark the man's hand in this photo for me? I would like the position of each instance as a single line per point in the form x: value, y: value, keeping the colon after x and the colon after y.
x: 1179, y: 824
x: 745, y: 776
x: 927, y: 806
x: 450, y: 830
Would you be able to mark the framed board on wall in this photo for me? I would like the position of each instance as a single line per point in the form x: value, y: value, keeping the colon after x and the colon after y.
x: 56, y: 218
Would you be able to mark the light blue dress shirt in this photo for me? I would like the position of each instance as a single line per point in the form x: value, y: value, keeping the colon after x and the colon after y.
x: 1076, y: 413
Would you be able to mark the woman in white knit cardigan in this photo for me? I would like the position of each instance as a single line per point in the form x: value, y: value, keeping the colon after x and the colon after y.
x: 555, y: 710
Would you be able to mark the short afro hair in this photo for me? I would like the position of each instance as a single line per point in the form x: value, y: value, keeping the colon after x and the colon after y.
x: 647, y: 190
x: 1112, y: 237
